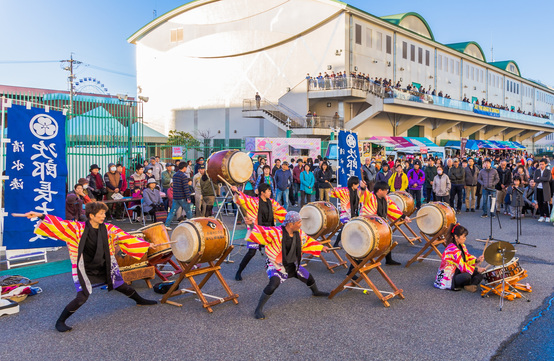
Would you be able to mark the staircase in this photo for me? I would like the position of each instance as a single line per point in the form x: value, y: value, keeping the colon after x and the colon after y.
x: 284, y: 119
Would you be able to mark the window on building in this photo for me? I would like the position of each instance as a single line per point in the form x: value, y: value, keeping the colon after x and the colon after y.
x: 420, y: 55
x: 388, y: 44
x: 379, y: 46
x: 446, y: 64
x: 457, y: 68
x: 439, y: 62
x: 368, y: 35
x: 176, y: 35
x: 467, y: 71
x: 481, y: 76
x: 452, y: 66
x: 404, y: 50
x: 472, y: 73
x: 412, y: 52
x: 358, y: 34
x: 427, y: 57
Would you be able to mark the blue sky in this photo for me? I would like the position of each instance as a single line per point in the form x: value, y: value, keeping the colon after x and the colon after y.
x: 97, y: 31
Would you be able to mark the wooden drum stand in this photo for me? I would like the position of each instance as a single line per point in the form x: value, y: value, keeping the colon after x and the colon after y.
x: 189, y: 271
x: 363, y: 267
x: 432, y: 244
x: 395, y: 226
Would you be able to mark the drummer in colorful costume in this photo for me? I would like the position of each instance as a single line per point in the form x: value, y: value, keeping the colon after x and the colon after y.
x: 91, y: 247
x: 379, y: 203
x: 284, y: 248
x: 458, y: 268
x: 263, y: 210
x: 349, y: 198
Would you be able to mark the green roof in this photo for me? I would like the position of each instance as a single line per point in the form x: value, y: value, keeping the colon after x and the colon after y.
x: 397, y: 19
x: 148, y: 134
x: 461, y: 47
x: 95, y: 122
x: 504, y: 65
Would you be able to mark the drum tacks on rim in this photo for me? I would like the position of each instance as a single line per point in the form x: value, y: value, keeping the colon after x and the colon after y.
x: 435, y: 217
x: 319, y: 218
x: 202, y: 234
x: 366, y: 235
x: 404, y: 201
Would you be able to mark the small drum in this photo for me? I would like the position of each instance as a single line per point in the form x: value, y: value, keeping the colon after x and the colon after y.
x: 156, y: 234
x: 233, y: 166
x: 319, y: 218
x: 439, y: 216
x: 126, y: 262
x: 366, y: 235
x: 511, y: 270
x: 206, y: 235
x: 404, y: 201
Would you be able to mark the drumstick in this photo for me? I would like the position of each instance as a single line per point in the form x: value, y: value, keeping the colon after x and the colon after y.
x: 160, y: 244
x: 228, y: 184
x: 416, y: 217
x: 486, y: 244
x: 20, y: 215
x: 333, y: 248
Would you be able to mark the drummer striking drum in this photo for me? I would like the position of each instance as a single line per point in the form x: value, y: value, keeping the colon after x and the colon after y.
x: 91, y: 248
x: 263, y: 210
x: 284, y: 248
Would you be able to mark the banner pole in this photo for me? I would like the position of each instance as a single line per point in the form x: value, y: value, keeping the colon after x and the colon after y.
x: 2, y: 168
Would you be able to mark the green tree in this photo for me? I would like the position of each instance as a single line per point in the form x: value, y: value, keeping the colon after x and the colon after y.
x: 180, y: 138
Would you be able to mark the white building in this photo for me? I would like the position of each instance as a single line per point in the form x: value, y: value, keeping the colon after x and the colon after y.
x: 202, y: 63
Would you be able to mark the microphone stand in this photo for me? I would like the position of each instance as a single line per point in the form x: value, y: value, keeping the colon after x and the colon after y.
x: 519, y: 200
x: 492, y: 210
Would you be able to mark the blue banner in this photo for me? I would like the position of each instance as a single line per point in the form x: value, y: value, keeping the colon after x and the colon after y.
x: 349, y: 158
x: 37, y: 173
x: 483, y: 110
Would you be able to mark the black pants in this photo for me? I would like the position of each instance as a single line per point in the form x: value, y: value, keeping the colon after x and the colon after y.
x: 457, y: 189
x: 445, y: 199
x: 429, y: 194
x: 82, y: 298
x: 478, y: 196
x: 246, y: 259
x: 275, y: 281
x: 416, y: 194
x: 305, y: 197
x: 464, y: 279
x: 543, y: 204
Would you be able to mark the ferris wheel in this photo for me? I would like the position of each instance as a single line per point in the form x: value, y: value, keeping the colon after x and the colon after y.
x: 90, y: 85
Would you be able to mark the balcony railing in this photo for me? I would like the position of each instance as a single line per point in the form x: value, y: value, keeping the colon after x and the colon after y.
x: 460, y: 105
x: 348, y: 82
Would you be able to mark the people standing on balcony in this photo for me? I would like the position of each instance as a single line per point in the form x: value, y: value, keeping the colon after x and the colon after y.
x: 307, y: 181
x: 276, y: 166
x: 266, y: 177
x: 324, y: 177
x: 283, y: 182
x: 399, y: 180
x: 542, y: 179
x: 471, y: 175
x: 457, y: 178
x: 430, y: 173
x: 258, y: 100
x: 309, y: 119
x: 505, y: 176
x: 416, y: 179
x: 320, y: 81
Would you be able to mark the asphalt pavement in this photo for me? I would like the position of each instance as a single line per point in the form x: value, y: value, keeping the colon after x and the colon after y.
x: 429, y: 324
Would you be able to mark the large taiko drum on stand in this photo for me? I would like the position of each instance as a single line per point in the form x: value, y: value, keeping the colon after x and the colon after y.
x: 366, y: 235
x: 126, y: 262
x: 404, y: 201
x: 437, y: 216
x: 319, y: 218
x: 206, y: 235
x: 156, y: 233
x: 233, y: 166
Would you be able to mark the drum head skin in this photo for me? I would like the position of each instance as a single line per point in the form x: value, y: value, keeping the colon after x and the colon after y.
x: 312, y: 219
x: 240, y: 167
x: 398, y: 201
x: 432, y: 223
x: 357, y: 238
x: 187, y: 241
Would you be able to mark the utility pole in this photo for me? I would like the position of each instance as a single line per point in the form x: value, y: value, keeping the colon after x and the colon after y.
x: 70, y: 65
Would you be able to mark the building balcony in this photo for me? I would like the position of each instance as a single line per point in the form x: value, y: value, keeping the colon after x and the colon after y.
x: 343, y: 87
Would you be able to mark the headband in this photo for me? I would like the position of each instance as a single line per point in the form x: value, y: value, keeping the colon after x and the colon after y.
x: 456, y: 225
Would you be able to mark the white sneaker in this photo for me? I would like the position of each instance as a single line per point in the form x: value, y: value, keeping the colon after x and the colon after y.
x: 541, y: 219
x: 547, y: 219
